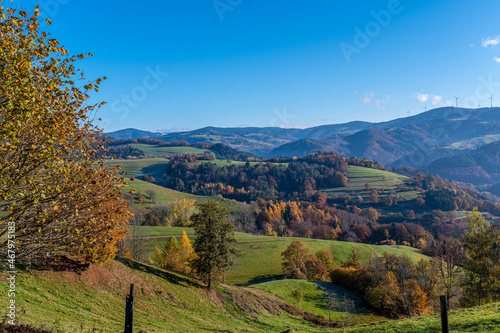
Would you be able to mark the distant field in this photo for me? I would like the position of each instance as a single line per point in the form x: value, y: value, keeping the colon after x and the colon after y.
x: 376, y: 179
x: 166, y: 195
x: 139, y: 167
x: 252, y: 268
x: 153, y: 150
x: 474, y: 142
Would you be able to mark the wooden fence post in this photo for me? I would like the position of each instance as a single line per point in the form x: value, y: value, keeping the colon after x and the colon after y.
x: 129, y: 310
x: 444, y: 314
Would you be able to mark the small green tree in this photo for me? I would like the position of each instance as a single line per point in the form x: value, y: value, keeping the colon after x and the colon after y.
x: 213, y: 243
x: 298, y: 295
x: 481, y: 243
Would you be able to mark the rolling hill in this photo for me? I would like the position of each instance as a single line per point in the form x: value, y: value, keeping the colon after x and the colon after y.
x: 412, y: 141
x: 479, y: 167
x: 251, y: 268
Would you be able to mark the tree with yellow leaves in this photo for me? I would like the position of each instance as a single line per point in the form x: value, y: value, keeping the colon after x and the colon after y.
x: 56, y: 194
x: 186, y: 252
x: 182, y: 210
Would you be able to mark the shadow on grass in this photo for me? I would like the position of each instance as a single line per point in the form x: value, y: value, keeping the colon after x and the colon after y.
x: 175, y: 278
x: 262, y: 278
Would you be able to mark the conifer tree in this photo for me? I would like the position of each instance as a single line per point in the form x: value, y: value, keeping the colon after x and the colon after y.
x: 214, y: 242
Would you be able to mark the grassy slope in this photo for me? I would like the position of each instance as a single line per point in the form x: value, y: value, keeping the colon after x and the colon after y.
x: 377, y: 179
x: 171, y: 302
x: 165, y: 302
x: 262, y: 259
x: 154, y: 150
x: 479, y: 319
x: 316, y: 299
x: 166, y: 195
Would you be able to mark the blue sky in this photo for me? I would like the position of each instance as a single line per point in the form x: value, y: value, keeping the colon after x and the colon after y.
x: 195, y: 63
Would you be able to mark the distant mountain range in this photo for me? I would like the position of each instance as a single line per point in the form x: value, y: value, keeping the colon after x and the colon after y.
x: 132, y: 133
x: 414, y: 141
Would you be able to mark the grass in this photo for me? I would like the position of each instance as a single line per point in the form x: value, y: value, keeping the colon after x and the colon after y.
x: 484, y: 318
x: 376, y: 179
x: 262, y: 254
x: 171, y: 302
x: 139, y: 167
x: 154, y: 150
x: 164, y: 302
x: 316, y: 299
x: 166, y: 196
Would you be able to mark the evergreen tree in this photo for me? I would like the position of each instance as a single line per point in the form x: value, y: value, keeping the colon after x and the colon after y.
x: 214, y: 241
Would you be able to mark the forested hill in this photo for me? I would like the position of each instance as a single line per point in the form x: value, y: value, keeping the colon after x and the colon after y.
x: 479, y: 167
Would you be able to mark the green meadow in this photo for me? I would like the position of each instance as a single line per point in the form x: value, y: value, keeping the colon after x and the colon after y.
x: 380, y: 180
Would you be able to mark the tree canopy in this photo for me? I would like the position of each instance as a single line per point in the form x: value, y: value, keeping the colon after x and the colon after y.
x: 55, y: 190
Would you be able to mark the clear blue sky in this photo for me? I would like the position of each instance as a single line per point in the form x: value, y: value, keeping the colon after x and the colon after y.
x: 279, y: 63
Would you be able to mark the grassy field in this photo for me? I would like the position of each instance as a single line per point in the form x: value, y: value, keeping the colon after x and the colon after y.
x: 139, y: 167
x: 94, y: 301
x: 376, y: 179
x: 252, y: 267
x: 167, y: 196
x: 164, y: 302
x: 153, y: 150
x: 484, y: 318
x: 316, y: 300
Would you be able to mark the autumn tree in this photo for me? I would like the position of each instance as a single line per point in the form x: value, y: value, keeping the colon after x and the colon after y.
x: 374, y: 198
x: 182, y: 210
x: 449, y: 256
x: 54, y: 186
x: 326, y: 257
x: 214, y: 242
x: 482, y: 245
x: 186, y: 252
x: 353, y: 259
x: 294, y: 260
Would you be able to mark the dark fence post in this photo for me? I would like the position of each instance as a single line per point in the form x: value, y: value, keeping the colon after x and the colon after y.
x: 129, y: 310
x: 444, y: 314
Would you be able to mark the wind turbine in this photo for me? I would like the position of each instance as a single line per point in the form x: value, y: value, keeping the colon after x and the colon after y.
x: 456, y: 100
x: 491, y: 99
x: 425, y: 108
x: 478, y: 104
x: 408, y: 112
